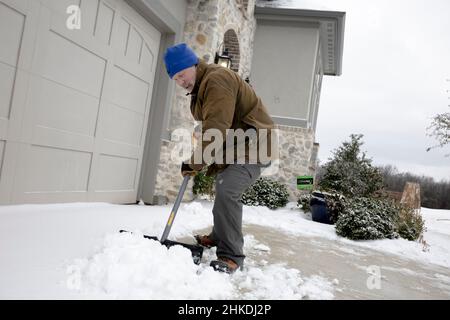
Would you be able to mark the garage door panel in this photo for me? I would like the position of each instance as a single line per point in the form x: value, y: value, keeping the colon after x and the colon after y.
x: 8, y: 164
x: 60, y: 6
x: 96, y: 16
x: 135, y: 69
x: 63, y: 108
x: 116, y: 173
x: 88, y: 16
x: 11, y: 127
x: 53, y: 197
x: 84, y: 37
x: 19, y: 5
x: 134, y: 48
x: 141, y: 24
x: 56, y: 170
x: 115, y: 148
x: 2, y: 150
x: 3, y: 130
x: 147, y: 58
x: 18, y: 27
x: 12, y: 25
x: 68, y: 63
x: 123, y: 125
x: 120, y: 36
x: 127, y: 90
x: 103, y: 28
x: 7, y: 78
x: 61, y: 139
x: 120, y: 196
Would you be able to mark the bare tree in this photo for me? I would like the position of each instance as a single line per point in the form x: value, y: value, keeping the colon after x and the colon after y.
x: 440, y: 129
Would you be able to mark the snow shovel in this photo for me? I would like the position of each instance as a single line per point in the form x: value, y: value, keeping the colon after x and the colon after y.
x: 196, y: 250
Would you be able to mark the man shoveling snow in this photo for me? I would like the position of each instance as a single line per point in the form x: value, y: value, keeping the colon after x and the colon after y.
x: 222, y: 100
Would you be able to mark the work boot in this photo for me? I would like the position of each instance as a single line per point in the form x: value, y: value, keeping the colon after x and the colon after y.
x: 205, y: 241
x: 224, y: 264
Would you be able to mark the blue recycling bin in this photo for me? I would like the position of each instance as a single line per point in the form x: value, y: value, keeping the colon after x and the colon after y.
x: 319, y: 210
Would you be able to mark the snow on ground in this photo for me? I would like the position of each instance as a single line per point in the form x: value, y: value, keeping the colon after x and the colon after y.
x: 131, y: 267
x: 437, y: 235
x: 70, y: 251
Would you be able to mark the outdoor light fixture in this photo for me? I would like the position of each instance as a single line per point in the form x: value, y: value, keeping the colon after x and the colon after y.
x: 223, y: 59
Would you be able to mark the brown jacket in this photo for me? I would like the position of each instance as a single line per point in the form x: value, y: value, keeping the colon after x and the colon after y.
x: 222, y: 100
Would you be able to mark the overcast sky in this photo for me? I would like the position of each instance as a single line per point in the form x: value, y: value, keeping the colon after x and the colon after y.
x: 396, y: 63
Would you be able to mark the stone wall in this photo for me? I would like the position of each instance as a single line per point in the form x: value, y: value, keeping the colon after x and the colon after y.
x: 208, y: 21
x: 169, y: 179
x: 296, y: 154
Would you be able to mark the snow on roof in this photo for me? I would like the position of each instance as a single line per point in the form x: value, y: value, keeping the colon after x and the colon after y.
x: 292, y: 4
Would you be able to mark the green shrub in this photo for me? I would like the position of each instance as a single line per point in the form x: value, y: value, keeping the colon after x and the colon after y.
x: 266, y: 192
x: 410, y: 224
x: 303, y: 202
x: 336, y: 204
x: 350, y: 172
x: 367, y: 219
x: 204, y: 185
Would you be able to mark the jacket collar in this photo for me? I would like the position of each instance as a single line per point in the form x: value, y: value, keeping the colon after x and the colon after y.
x: 200, y: 73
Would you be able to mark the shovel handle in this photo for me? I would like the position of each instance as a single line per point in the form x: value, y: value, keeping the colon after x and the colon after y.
x: 176, y: 205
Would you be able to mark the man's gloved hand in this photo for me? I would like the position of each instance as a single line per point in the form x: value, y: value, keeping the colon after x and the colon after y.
x: 186, y: 170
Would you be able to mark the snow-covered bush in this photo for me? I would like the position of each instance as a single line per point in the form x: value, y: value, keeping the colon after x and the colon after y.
x: 410, y: 224
x: 367, y: 219
x: 349, y: 172
x: 204, y: 185
x: 304, y: 202
x: 266, y: 192
x: 336, y: 203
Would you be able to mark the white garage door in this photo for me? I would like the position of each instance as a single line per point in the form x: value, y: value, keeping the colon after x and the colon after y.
x: 74, y: 104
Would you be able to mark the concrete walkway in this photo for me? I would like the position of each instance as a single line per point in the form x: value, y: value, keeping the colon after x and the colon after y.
x: 356, y: 269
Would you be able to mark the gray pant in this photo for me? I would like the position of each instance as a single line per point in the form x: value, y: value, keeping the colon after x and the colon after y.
x: 227, y: 210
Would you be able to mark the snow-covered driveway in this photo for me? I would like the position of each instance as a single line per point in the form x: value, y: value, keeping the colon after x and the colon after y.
x: 73, y: 251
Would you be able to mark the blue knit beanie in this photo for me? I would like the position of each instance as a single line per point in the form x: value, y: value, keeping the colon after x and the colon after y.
x: 179, y: 57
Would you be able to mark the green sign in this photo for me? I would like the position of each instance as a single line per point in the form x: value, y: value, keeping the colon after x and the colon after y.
x: 305, y: 182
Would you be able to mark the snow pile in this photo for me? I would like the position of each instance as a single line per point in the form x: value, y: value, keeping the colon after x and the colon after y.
x: 131, y: 267
x: 278, y: 282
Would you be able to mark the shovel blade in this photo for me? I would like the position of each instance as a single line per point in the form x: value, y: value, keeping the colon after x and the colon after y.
x: 196, y: 250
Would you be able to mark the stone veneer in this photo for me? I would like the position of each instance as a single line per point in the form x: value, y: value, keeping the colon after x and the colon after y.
x: 297, y: 154
x: 207, y: 22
